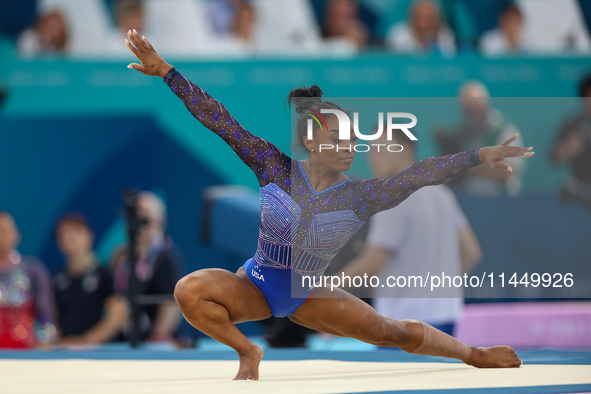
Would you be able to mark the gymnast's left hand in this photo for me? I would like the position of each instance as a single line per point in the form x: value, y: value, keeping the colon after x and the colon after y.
x: 151, y: 62
x: 493, y: 156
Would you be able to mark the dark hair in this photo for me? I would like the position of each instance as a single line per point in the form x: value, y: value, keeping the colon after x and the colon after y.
x: 6, y: 212
x: 305, y: 100
x: 509, y: 7
x: 585, y: 85
x: 73, y: 218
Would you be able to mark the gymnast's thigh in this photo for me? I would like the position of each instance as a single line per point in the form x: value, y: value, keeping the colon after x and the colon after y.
x: 243, y: 300
x: 340, y: 313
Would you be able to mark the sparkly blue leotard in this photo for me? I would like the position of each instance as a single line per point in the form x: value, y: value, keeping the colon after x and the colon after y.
x: 301, y: 230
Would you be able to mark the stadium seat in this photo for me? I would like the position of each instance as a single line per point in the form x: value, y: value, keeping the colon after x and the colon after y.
x: 551, y: 34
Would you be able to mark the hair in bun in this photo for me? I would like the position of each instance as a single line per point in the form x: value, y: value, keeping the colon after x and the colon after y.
x: 307, y: 100
x: 304, y: 98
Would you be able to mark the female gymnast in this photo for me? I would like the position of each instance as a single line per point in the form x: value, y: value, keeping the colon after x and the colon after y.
x: 309, y: 209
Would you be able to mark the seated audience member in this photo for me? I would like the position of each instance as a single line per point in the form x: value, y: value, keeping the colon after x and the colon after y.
x: 573, y: 146
x: 428, y: 232
x: 342, y: 24
x: 158, y: 269
x: 243, y: 25
x: 508, y: 37
x: 482, y: 125
x: 222, y: 14
x: 49, y: 36
x: 88, y: 310
x: 26, y: 300
x: 129, y: 15
x: 233, y: 26
x: 425, y: 34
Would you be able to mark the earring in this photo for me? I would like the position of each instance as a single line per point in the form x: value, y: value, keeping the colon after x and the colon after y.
x: 312, y: 150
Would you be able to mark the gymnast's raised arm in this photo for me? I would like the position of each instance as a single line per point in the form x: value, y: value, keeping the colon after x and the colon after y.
x: 265, y: 159
x: 379, y: 194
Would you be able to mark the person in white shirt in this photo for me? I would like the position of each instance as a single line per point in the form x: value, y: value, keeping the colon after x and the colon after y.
x: 49, y: 36
x: 425, y: 34
x: 342, y: 25
x: 428, y: 232
x: 482, y: 124
x: 508, y: 37
x: 128, y: 15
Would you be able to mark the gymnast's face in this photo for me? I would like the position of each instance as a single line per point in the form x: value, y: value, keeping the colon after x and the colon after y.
x: 328, y: 149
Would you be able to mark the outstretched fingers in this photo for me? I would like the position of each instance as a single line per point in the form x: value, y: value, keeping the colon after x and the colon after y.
x: 142, y: 42
x: 508, y: 142
x: 499, y: 165
x: 514, y: 151
x: 147, y: 44
x: 136, y: 40
x: 141, y: 48
x: 133, y: 49
x: 503, y: 152
x: 136, y: 66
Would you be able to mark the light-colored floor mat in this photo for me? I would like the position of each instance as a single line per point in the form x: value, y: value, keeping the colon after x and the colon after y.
x: 60, y: 376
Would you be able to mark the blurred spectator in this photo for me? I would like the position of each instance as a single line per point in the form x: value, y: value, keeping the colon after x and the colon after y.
x: 342, y: 23
x: 482, y: 126
x: 234, y: 24
x: 573, y: 145
x: 84, y: 289
x: 426, y: 33
x: 26, y: 301
x: 88, y: 25
x: 158, y: 268
x: 50, y: 35
x: 243, y: 25
x: 428, y: 232
x: 508, y: 37
x: 222, y: 14
x: 129, y: 15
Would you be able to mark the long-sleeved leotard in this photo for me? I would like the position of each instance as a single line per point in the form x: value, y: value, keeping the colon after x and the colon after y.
x: 301, y: 230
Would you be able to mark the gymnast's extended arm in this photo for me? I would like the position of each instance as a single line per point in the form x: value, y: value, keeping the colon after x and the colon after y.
x: 379, y: 194
x: 264, y: 158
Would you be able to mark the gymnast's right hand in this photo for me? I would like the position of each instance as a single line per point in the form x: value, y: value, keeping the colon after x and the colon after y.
x: 151, y: 62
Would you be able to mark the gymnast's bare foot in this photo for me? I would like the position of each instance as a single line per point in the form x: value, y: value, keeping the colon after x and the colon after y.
x: 249, y: 364
x: 494, y: 357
